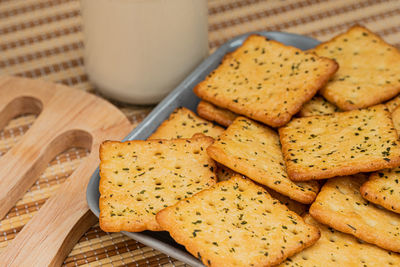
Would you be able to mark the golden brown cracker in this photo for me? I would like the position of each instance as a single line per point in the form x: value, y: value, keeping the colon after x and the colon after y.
x: 338, y: 249
x: 369, y: 72
x: 183, y: 123
x: 237, y: 223
x: 383, y: 188
x: 139, y: 178
x: 341, y: 206
x: 317, y: 106
x: 252, y: 149
x: 293, y: 205
x: 266, y: 80
x: 219, y: 115
x: 396, y: 119
x: 224, y: 174
x: 343, y: 143
x: 393, y: 103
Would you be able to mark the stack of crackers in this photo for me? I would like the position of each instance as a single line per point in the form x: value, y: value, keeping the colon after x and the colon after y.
x: 300, y: 169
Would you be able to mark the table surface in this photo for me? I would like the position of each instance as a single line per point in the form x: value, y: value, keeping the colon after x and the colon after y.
x: 43, y: 39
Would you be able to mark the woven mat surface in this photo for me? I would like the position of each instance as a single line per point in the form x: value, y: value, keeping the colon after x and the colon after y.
x: 43, y: 38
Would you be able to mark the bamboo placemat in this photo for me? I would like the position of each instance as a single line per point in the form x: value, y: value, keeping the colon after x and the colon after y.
x: 42, y: 38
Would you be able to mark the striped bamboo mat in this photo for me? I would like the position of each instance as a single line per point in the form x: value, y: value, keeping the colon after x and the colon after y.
x: 42, y: 38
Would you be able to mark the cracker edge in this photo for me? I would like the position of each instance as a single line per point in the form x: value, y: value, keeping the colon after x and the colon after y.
x: 320, y: 174
x: 302, y: 113
x: 165, y: 123
x: 259, y: 115
x: 347, y: 106
x: 370, y: 195
x: 221, y: 116
x: 194, y: 249
x: 106, y: 226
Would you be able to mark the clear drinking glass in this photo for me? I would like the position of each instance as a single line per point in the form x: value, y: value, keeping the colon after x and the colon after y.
x: 136, y: 51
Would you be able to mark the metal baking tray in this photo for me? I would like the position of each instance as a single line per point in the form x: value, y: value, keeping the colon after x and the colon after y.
x: 183, y: 96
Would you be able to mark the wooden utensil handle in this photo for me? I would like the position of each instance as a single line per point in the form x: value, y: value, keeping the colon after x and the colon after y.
x: 20, y: 167
x: 50, y: 235
x: 68, y: 118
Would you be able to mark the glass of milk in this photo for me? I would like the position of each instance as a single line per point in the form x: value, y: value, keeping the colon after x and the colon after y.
x: 136, y: 51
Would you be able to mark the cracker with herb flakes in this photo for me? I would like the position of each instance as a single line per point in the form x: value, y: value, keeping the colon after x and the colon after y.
x: 393, y: 103
x: 237, y: 223
x: 184, y: 123
x: 139, y: 178
x: 343, y: 143
x: 341, y: 206
x: 369, y: 71
x: 219, y: 115
x: 293, y: 205
x: 266, y: 80
x: 396, y: 119
x: 317, y: 106
x: 252, y: 149
x: 383, y: 188
x: 338, y: 249
x: 224, y: 174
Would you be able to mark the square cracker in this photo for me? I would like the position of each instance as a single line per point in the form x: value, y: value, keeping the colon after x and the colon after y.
x: 383, y: 188
x: 341, y: 206
x: 211, y: 112
x: 252, y: 149
x: 266, y: 80
x: 369, y: 70
x: 317, y: 106
x: 343, y: 143
x: 184, y: 123
x: 237, y: 223
x: 338, y: 249
x: 139, y: 178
